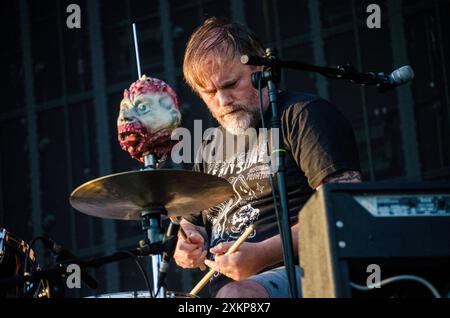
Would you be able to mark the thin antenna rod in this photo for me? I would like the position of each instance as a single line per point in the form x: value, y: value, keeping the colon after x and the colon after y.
x: 136, y: 48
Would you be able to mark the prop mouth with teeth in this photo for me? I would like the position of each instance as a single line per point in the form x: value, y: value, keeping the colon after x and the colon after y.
x: 137, y: 141
x: 132, y: 133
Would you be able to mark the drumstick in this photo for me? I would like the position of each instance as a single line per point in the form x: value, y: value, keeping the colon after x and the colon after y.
x: 187, y: 240
x: 232, y: 249
x: 184, y: 237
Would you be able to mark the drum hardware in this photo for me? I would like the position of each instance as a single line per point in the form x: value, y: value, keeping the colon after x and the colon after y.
x: 171, y: 233
x: 129, y: 195
x: 17, y: 281
x: 36, y: 283
x: 55, y: 275
x: 148, y: 195
x: 55, y: 287
x: 143, y: 294
x: 13, y: 262
x: 146, y: 249
x: 151, y: 225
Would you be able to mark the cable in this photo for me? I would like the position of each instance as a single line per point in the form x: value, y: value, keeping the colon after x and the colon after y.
x: 159, y: 289
x: 143, y: 273
x: 27, y: 253
x: 27, y: 257
x: 272, y: 187
x: 386, y: 281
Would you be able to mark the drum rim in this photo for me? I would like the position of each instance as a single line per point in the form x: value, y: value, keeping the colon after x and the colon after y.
x: 144, y: 293
x: 9, y: 239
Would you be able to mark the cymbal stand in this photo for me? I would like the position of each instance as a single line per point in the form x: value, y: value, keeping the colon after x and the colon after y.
x: 151, y: 224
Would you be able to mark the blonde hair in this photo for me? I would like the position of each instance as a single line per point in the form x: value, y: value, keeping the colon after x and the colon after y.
x: 224, y: 39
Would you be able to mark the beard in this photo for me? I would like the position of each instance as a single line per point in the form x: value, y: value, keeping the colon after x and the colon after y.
x: 237, y: 118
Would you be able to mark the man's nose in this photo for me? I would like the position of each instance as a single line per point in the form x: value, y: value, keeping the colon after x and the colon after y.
x: 225, y: 98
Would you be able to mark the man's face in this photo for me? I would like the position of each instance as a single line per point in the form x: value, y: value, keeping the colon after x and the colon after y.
x: 145, y: 123
x: 229, y: 94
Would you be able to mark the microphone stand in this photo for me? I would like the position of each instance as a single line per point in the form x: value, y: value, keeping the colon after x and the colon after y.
x: 271, y: 75
x: 345, y: 72
x: 148, y: 249
x: 56, y: 273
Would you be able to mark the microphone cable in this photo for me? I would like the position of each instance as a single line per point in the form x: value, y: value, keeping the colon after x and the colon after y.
x: 142, y: 271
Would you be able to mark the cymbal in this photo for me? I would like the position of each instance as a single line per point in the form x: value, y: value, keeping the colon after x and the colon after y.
x: 123, y: 196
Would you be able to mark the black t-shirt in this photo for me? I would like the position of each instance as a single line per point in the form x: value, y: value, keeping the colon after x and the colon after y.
x: 319, y: 142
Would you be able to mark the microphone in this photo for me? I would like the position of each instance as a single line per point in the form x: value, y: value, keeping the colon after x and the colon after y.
x: 56, y: 249
x: 64, y: 254
x: 258, y: 60
x: 398, y: 77
x: 169, y: 241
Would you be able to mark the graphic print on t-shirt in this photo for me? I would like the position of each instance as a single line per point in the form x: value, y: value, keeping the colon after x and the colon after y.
x: 248, y: 175
x: 230, y: 218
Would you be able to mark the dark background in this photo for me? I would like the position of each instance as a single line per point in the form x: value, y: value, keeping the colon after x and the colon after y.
x: 62, y: 88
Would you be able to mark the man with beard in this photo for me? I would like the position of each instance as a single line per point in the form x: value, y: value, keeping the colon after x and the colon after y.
x: 320, y: 148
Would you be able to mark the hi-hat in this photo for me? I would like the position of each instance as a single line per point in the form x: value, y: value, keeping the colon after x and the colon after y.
x: 124, y: 196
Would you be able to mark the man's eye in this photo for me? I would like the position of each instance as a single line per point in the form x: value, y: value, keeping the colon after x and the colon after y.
x: 231, y: 85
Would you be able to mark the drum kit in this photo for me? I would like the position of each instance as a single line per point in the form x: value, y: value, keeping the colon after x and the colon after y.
x: 13, y: 251
x: 146, y: 195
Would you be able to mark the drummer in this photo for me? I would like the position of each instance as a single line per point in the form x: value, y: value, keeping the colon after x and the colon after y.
x: 321, y: 148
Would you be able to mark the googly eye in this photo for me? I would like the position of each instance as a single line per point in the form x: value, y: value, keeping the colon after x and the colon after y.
x: 143, y: 107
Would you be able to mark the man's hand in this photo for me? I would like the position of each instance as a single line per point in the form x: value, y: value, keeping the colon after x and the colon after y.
x: 190, y: 254
x: 243, y: 263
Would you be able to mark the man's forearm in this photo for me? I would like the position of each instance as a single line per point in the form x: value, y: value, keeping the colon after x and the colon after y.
x: 273, y: 249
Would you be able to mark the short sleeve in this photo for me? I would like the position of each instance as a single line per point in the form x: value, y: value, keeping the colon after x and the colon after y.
x: 320, y: 139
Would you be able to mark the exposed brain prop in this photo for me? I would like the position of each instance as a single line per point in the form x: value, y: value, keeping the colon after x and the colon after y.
x: 149, y: 112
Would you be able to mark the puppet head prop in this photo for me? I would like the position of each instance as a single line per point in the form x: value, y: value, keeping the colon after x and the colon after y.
x: 149, y: 112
